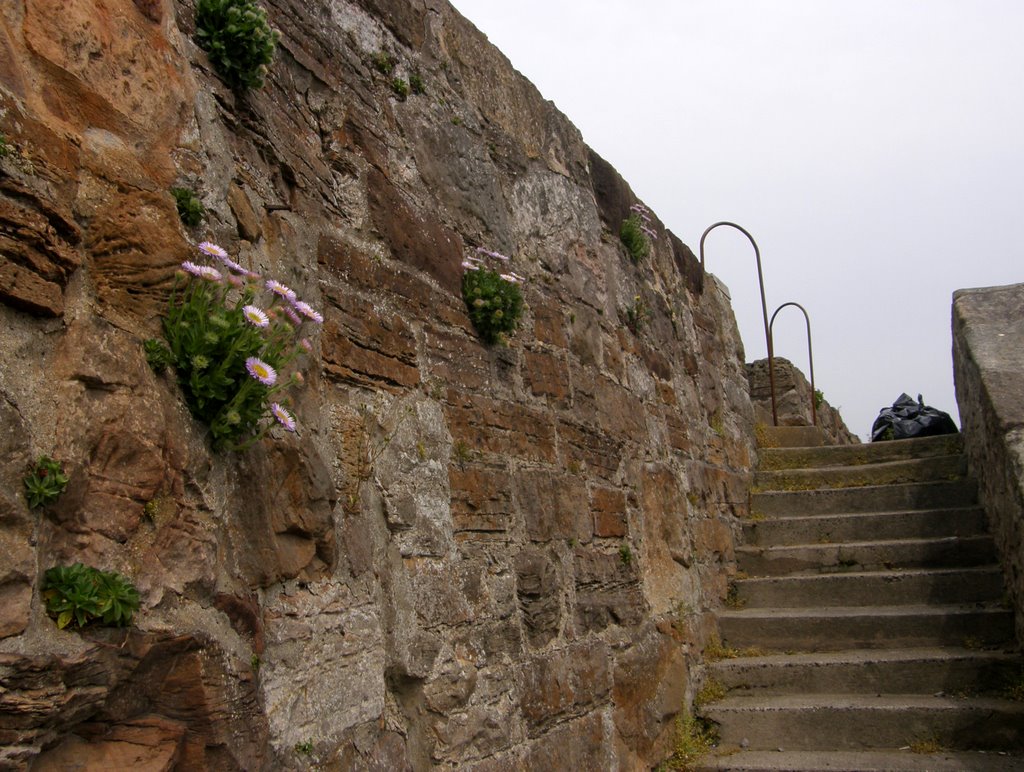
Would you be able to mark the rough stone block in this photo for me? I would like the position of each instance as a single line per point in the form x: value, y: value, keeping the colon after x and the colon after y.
x: 563, y: 684
x: 607, y: 590
x: 546, y: 375
x: 367, y: 346
x: 538, y: 589
x: 554, y: 506
x: 501, y: 428
x: 608, y: 507
x: 481, y: 498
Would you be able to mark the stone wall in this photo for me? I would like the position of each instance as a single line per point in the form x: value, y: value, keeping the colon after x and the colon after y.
x: 988, y: 365
x: 793, y: 401
x: 467, y: 557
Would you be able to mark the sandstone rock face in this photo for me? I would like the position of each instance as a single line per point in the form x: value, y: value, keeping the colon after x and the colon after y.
x: 793, y: 401
x: 988, y: 368
x: 467, y: 557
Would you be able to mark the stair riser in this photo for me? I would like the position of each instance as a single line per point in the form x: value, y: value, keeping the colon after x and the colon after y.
x: 837, y: 633
x: 894, y: 498
x: 910, y: 677
x: 861, y: 728
x: 915, y: 470
x: 830, y: 558
x: 875, y: 453
x: 860, y: 590
x: 890, y: 525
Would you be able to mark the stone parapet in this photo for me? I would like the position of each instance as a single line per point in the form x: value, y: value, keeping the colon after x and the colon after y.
x: 988, y: 364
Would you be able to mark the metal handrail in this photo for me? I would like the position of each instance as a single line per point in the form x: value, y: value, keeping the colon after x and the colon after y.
x: 810, y: 357
x: 764, y: 304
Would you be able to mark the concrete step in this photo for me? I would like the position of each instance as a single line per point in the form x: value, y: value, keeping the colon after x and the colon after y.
x: 942, y: 552
x: 790, y: 436
x: 867, y: 588
x: 855, y: 455
x: 889, y: 472
x: 872, y: 498
x: 860, y: 722
x: 949, y: 671
x: 918, y: 523
x: 874, y: 627
x: 902, y: 760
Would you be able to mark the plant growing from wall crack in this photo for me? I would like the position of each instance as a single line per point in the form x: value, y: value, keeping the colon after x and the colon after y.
x: 81, y: 595
x: 493, y: 298
x: 636, y: 232
x: 228, y: 353
x: 238, y: 39
x: 44, y: 482
x: 190, y: 209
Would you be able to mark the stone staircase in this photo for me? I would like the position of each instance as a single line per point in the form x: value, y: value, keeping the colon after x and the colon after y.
x: 867, y: 631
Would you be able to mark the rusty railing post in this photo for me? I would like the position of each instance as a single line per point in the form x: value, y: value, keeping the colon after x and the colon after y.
x: 810, y: 357
x: 764, y: 305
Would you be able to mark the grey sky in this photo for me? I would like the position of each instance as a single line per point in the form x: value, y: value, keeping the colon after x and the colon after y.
x: 875, y: 151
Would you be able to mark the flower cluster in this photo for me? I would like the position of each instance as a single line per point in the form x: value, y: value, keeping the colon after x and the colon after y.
x: 228, y: 350
x: 492, y: 295
x: 636, y: 232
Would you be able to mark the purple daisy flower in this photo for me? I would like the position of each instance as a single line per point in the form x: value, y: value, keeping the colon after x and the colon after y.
x: 280, y: 290
x: 292, y: 316
x: 211, y: 249
x: 255, y: 316
x: 306, y: 345
x: 307, y: 311
x: 261, y: 371
x: 208, y: 273
x: 193, y: 268
x: 286, y: 419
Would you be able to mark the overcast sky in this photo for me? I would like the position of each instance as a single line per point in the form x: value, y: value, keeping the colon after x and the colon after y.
x: 875, y: 151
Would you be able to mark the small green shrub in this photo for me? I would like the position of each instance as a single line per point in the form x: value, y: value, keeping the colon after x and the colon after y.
x: 304, y: 748
x: 384, y: 62
x: 238, y: 39
x: 190, y: 208
x: 401, y: 88
x: 637, y: 315
x: 819, y: 397
x: 634, y: 239
x: 227, y: 352
x: 416, y: 84
x: 44, y: 482
x: 694, y: 739
x: 625, y: 554
x: 6, y: 148
x: 493, y: 299
x: 81, y: 595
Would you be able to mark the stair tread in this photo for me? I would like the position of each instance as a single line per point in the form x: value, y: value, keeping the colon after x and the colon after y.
x: 896, y: 573
x: 938, y: 511
x: 899, y: 760
x: 842, y: 701
x: 856, y: 656
x: 909, y: 609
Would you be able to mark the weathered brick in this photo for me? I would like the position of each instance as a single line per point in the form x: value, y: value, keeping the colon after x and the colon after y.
x: 620, y: 413
x: 607, y: 590
x: 503, y: 428
x: 456, y: 359
x: 608, y: 507
x: 554, y: 506
x: 549, y: 323
x: 547, y: 375
x: 481, y: 497
x: 564, y: 684
x: 583, y: 445
x: 367, y: 346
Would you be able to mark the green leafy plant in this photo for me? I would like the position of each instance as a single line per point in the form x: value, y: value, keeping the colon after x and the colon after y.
x: 625, y: 554
x: 228, y: 352
x: 416, y: 84
x: 190, y: 208
x: 6, y: 148
x: 694, y: 738
x: 401, y: 88
x: 238, y: 39
x: 819, y: 397
x: 493, y: 299
x: 44, y: 482
x: 81, y: 595
x: 637, y: 234
x: 384, y: 62
x: 304, y: 748
x: 637, y: 315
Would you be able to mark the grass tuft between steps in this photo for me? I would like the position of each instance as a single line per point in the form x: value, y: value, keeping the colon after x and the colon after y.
x: 695, y: 738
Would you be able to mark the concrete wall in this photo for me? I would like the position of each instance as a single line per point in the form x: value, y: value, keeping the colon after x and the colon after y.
x: 988, y: 358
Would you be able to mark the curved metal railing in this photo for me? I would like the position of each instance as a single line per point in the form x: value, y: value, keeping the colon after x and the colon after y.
x: 810, y: 360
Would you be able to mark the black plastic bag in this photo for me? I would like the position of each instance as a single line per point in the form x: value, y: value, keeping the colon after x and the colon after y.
x: 907, y: 418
